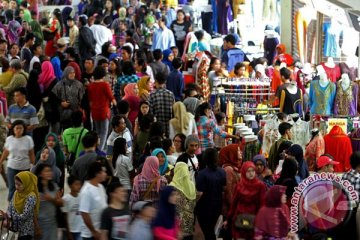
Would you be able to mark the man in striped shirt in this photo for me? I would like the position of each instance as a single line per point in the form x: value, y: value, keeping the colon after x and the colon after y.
x: 22, y: 110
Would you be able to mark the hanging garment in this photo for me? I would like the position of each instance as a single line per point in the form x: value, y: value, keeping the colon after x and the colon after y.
x: 333, y: 74
x: 321, y: 99
x: 222, y: 17
x: 346, y: 101
x: 355, y: 139
x: 202, y: 66
x: 269, y: 10
x: 250, y: 150
x: 271, y: 135
x: 338, y: 145
x: 332, y: 33
x: 300, y: 133
x: 310, y: 41
x: 214, y: 16
x: 351, y: 71
x: 291, y: 103
x: 314, y: 150
x: 350, y: 41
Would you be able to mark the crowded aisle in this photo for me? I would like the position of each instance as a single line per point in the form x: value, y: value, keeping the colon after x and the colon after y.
x: 179, y: 119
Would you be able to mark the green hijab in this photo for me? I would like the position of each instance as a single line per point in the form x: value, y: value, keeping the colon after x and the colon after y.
x: 60, y: 157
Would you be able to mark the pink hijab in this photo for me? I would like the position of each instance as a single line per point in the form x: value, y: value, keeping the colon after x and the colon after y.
x: 47, y: 75
x: 129, y: 90
x: 150, y: 170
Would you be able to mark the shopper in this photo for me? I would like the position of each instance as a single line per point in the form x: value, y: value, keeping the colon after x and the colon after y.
x: 325, y: 163
x: 183, y: 121
x: 19, y: 152
x: 24, y: 206
x: 210, y: 184
x: 185, y: 204
x: 166, y: 223
x: 48, y: 156
x: 140, y: 228
x: 249, y: 196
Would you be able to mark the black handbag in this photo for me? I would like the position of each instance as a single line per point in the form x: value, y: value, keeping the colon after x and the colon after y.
x: 245, y: 221
x: 71, y: 157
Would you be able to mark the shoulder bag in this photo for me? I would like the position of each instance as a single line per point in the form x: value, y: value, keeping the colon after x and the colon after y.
x: 149, y: 189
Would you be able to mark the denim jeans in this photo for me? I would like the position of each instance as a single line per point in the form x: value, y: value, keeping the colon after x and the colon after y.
x: 11, y: 180
x: 75, y: 235
x: 102, y: 128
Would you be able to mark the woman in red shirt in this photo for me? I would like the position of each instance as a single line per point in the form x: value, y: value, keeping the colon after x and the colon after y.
x: 100, y: 99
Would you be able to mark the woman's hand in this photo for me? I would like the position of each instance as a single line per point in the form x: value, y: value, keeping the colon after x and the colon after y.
x: 225, y: 224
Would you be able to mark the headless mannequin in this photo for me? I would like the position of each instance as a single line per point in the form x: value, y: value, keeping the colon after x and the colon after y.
x: 295, y: 117
x: 345, y: 81
x: 330, y: 63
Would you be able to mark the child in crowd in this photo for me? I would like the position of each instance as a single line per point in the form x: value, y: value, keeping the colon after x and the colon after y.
x: 218, y: 140
x: 71, y: 200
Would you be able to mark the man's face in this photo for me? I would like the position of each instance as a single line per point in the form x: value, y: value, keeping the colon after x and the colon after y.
x: 225, y: 45
x: 125, y: 55
x: 39, y: 50
x: 192, y: 148
x: 5, y: 5
x: 18, y: 97
x: 89, y: 65
x: 3, y: 47
x: 70, y: 23
x: 122, y: 125
x: 13, y: 5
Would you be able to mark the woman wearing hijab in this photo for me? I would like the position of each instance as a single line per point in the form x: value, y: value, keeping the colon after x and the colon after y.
x: 185, y: 204
x: 50, y: 199
x: 52, y: 141
x: 273, y: 219
x: 165, y: 168
x: 183, y: 121
x: 48, y: 156
x: 131, y: 89
x: 24, y: 206
x: 296, y: 151
x: 69, y: 93
x: 148, y: 183
x: 231, y: 161
x: 287, y: 177
x: 191, y: 104
x: 168, y: 58
x: 249, y: 196
x: 262, y: 171
x: 134, y: 103
x: 166, y: 224
x: 47, y: 75
x: 144, y: 85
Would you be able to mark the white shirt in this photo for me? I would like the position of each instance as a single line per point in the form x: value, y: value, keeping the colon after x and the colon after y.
x: 102, y: 35
x: 33, y: 60
x: 71, y: 207
x: 172, y: 159
x: 19, y: 148
x: 93, y: 200
x: 123, y: 167
x: 191, y: 169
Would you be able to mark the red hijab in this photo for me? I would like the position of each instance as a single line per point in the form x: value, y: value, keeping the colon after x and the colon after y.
x: 246, y: 186
x: 47, y: 75
x: 229, y: 157
x: 274, y: 217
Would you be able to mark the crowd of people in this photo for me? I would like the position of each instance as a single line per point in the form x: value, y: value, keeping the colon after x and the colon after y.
x: 102, y: 139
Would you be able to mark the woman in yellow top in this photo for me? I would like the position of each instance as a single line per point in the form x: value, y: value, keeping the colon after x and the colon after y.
x: 239, y: 71
x: 7, y: 74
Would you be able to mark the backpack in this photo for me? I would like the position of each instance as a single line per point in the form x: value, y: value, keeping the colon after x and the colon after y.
x: 235, y: 55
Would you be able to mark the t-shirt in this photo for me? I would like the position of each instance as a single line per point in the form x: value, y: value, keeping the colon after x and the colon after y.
x: 71, y: 137
x: 71, y: 207
x: 19, y: 148
x: 114, y: 135
x: 93, y: 200
x: 116, y: 221
x: 191, y: 168
x: 140, y: 230
x: 123, y: 167
x: 33, y: 61
x: 82, y: 164
x: 180, y: 30
x: 100, y: 97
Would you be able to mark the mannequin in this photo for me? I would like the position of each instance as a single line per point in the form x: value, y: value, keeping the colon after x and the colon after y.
x: 291, y: 100
x: 346, y: 99
x: 322, y: 95
x: 332, y: 70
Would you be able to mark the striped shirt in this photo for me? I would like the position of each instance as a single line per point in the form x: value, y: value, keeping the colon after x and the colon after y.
x: 26, y: 113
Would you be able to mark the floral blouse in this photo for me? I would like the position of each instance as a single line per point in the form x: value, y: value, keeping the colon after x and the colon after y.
x: 23, y: 222
x: 185, y: 208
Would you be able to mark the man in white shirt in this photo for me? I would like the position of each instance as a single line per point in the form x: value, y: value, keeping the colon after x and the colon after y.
x: 192, y: 144
x: 101, y: 33
x: 118, y: 124
x: 93, y: 201
x: 37, y: 51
